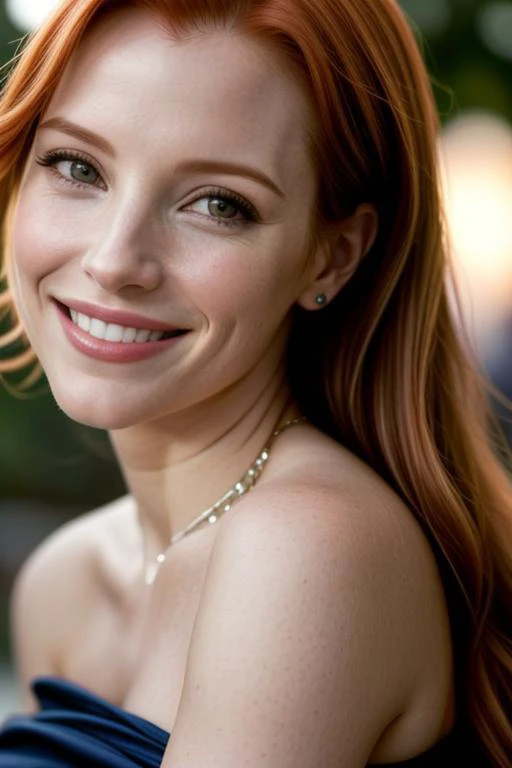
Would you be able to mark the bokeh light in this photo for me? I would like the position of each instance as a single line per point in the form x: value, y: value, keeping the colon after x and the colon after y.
x: 27, y: 14
x: 477, y: 169
x: 494, y: 24
x: 432, y: 16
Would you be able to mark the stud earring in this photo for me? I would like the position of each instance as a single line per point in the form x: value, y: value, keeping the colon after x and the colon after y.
x: 321, y: 299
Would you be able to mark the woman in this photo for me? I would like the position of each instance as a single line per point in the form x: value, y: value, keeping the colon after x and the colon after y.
x: 224, y: 242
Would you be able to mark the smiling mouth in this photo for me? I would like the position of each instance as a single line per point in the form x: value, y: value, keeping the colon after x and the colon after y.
x: 116, y: 333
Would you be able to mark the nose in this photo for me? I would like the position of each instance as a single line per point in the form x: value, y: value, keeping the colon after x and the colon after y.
x: 123, y: 252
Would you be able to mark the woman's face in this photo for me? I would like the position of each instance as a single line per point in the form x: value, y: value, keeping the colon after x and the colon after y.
x: 169, y: 181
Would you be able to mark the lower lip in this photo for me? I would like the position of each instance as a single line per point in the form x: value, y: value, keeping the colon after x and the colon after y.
x: 111, y: 351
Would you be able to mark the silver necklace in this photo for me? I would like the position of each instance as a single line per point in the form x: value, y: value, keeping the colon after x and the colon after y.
x: 224, y: 504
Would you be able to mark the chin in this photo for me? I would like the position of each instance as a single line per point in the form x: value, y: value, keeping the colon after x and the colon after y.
x: 86, y: 407
x: 95, y: 417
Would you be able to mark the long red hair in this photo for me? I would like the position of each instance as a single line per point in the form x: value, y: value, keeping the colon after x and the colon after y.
x: 382, y: 369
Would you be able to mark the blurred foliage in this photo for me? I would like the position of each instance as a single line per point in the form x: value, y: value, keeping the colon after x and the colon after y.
x: 10, y: 37
x: 44, y: 455
x: 466, y: 73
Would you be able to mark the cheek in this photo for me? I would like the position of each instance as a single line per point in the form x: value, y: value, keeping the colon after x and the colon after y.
x: 252, y: 280
x: 39, y: 238
x: 23, y: 256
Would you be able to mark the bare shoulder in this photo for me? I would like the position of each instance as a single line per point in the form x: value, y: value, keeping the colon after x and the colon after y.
x: 340, y: 532
x: 54, y: 588
x: 325, y: 500
x: 323, y: 580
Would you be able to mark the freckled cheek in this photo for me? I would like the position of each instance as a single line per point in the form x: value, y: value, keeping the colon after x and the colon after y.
x: 251, y: 279
x: 227, y: 289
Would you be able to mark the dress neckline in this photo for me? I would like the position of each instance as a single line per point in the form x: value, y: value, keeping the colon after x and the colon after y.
x: 42, y: 683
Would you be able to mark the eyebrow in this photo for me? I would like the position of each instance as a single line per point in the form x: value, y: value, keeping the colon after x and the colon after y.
x: 233, y: 169
x: 77, y: 132
x: 187, y: 166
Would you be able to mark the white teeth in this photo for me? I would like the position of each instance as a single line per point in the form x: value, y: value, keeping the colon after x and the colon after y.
x: 84, y: 322
x: 98, y: 328
x: 112, y: 331
x: 142, y: 336
x: 129, y: 335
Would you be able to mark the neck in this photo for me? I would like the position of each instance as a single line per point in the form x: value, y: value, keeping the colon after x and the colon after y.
x: 179, y: 466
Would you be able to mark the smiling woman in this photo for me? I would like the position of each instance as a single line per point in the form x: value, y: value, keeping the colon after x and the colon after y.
x: 223, y: 243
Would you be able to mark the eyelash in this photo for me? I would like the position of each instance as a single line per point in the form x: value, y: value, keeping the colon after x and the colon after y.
x: 50, y: 159
x: 248, y: 212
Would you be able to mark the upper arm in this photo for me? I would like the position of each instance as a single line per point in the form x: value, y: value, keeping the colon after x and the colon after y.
x: 30, y: 628
x: 294, y: 659
x: 41, y: 597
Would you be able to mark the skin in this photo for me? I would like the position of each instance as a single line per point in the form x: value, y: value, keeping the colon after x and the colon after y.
x: 369, y: 613
x: 142, y: 239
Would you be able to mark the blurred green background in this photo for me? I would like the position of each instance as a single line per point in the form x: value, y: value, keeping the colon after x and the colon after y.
x: 52, y: 469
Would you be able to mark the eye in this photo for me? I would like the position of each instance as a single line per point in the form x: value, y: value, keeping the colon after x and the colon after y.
x: 224, y: 208
x: 78, y: 170
x: 221, y: 208
x: 72, y: 168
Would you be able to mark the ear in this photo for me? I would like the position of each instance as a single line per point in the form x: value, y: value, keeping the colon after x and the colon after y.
x: 337, y: 256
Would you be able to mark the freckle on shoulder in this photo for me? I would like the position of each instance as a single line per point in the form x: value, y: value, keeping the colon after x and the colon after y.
x: 325, y: 496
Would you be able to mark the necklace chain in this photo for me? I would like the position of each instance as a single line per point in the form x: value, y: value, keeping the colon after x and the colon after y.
x: 224, y: 504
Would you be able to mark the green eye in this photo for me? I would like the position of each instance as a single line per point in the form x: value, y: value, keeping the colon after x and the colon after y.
x: 72, y: 168
x: 224, y: 208
x: 221, y: 208
x: 83, y: 172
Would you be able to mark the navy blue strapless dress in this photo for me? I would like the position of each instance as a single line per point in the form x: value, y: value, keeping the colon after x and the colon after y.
x: 74, y: 727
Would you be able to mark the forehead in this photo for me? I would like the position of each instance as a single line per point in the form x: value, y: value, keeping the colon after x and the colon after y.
x: 219, y: 88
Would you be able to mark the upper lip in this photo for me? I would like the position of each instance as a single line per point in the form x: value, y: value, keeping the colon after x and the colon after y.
x: 117, y: 316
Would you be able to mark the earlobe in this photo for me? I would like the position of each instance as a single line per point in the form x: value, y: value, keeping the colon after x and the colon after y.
x: 338, y: 256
